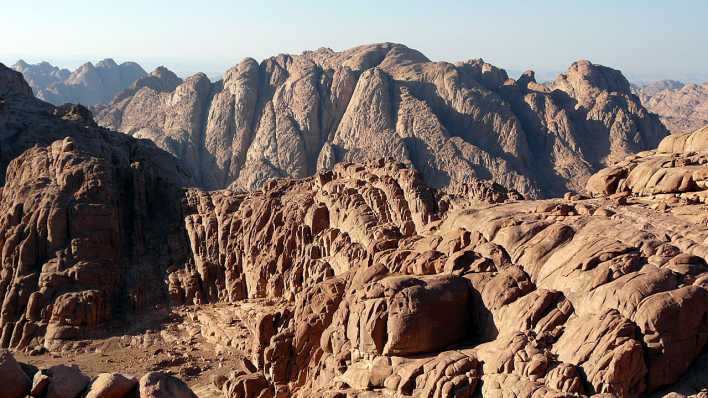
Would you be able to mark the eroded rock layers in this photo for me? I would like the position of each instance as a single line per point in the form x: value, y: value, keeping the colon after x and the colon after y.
x: 293, y: 116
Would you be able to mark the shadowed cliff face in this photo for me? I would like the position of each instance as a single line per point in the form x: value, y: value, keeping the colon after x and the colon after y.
x: 296, y: 115
x: 90, y: 219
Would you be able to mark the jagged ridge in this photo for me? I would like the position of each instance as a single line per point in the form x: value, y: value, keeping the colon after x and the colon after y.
x: 297, y: 115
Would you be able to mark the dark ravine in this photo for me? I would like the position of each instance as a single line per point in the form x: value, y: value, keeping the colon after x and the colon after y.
x: 296, y: 115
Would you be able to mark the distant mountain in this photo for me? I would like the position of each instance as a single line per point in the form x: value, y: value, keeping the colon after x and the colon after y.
x: 42, y: 74
x: 88, y: 85
x: 682, y: 107
x: 296, y: 115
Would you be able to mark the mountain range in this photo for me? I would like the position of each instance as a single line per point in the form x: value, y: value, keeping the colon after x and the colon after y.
x: 295, y: 115
x: 88, y: 85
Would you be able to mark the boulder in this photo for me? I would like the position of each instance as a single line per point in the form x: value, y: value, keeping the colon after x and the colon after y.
x: 14, y: 381
x: 112, y: 385
x: 40, y: 383
x: 162, y: 385
x: 66, y: 382
x: 403, y: 315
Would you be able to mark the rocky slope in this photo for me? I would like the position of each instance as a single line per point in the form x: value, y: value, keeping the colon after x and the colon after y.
x: 88, y: 85
x: 359, y: 280
x: 682, y: 107
x: 392, y: 294
x: 296, y: 115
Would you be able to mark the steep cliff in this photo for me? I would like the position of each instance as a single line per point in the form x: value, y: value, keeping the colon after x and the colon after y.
x: 90, y: 220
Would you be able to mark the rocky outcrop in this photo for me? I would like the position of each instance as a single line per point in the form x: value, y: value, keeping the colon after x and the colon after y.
x: 66, y: 382
x: 42, y: 75
x: 675, y: 171
x: 294, y: 116
x: 161, y: 385
x: 112, y: 385
x: 88, y: 224
x: 682, y: 108
x: 560, y: 297
x: 88, y: 85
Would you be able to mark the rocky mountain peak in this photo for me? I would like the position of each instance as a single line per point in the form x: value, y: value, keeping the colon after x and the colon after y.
x: 89, y: 84
x: 86, y: 66
x: 107, y: 63
x: 166, y: 80
x: 527, y: 77
x: 162, y: 71
x: 20, y: 64
x: 583, y: 78
x: 12, y: 83
x: 199, y: 81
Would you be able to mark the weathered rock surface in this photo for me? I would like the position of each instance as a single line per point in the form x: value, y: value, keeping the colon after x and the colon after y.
x: 568, y: 296
x: 88, y: 85
x: 66, y: 382
x: 676, y: 170
x: 682, y: 108
x: 294, y: 116
x: 361, y: 280
x: 87, y: 220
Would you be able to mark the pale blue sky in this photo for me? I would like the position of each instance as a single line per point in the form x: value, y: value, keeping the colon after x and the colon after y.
x: 645, y: 39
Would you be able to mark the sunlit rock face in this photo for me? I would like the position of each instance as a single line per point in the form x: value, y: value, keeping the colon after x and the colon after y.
x: 296, y: 115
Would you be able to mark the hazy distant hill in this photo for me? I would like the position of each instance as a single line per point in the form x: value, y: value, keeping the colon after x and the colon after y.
x: 682, y: 107
x: 88, y: 85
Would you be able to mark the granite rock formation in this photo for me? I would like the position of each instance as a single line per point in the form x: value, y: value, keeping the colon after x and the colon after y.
x: 87, y: 218
x: 297, y: 115
x: 391, y: 295
x: 88, y: 85
x: 360, y: 280
x: 682, y: 108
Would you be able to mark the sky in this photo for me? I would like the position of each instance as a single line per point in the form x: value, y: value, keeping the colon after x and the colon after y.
x: 647, y: 39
